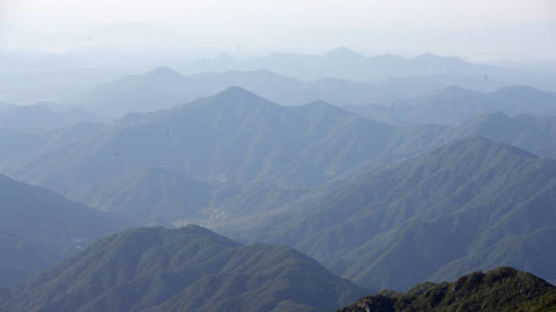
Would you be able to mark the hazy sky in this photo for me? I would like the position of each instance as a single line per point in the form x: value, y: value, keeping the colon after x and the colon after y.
x: 471, y: 28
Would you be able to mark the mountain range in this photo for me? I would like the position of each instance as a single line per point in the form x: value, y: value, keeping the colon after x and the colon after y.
x: 258, y: 171
x: 454, y: 105
x: 227, y: 152
x: 232, y: 137
x: 39, y: 77
x: 186, y: 269
x: 347, y: 64
x: 469, y: 205
x: 164, y: 196
x: 345, y: 175
x: 534, y: 134
x: 163, y: 88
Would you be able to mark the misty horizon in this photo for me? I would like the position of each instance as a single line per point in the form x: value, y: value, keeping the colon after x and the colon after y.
x: 477, y: 31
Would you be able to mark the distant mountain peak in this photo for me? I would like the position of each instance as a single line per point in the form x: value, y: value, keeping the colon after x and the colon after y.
x: 235, y: 92
x: 343, y: 52
x: 232, y: 96
x: 164, y: 72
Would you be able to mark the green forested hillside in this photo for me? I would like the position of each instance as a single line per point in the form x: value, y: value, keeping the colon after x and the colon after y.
x: 470, y: 205
x: 187, y: 269
x: 502, y: 290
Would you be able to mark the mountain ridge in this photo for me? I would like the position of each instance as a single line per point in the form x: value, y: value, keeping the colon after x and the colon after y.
x: 454, y: 105
x: 423, y: 209
x: 261, y: 139
x: 190, y: 268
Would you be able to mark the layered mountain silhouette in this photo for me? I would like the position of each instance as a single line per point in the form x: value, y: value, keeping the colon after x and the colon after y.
x: 19, y: 147
x: 162, y: 196
x: 191, y: 269
x: 453, y: 105
x: 39, y: 119
x: 535, y: 134
x: 502, y: 289
x: 389, y: 171
x: 234, y: 136
x: 347, y: 64
x: 39, y: 227
x: 241, y: 164
x: 467, y: 206
x: 149, y: 196
x: 157, y: 89
x: 26, y: 83
x: 163, y: 87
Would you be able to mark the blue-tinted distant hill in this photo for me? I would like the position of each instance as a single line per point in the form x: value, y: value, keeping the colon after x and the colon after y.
x: 20, y: 146
x: 234, y: 136
x: 39, y: 227
x: 347, y: 64
x: 39, y: 118
x: 163, y: 87
x: 31, y: 77
x: 453, y: 105
x: 534, y: 134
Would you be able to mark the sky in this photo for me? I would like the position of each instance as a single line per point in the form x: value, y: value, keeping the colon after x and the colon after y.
x: 485, y: 29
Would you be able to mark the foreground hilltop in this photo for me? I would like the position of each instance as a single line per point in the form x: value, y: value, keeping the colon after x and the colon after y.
x: 187, y: 269
x: 502, y: 289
